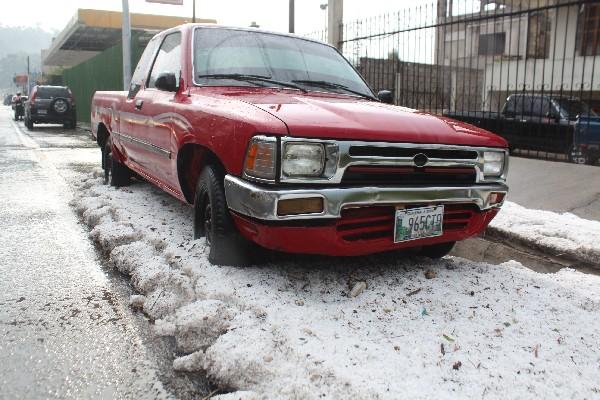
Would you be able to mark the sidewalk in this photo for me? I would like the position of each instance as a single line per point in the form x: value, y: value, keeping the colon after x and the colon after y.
x: 555, y: 186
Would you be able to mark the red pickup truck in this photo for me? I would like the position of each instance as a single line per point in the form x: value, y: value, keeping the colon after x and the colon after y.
x: 276, y: 140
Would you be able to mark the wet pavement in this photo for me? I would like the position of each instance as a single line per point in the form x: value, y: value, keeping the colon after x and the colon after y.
x: 555, y: 186
x: 66, y: 330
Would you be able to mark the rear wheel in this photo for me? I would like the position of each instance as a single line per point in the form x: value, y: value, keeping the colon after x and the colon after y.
x: 212, y: 220
x: 115, y: 173
x: 28, y: 123
x: 436, y: 250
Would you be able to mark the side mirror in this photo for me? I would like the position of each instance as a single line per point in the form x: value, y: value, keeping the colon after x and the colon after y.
x: 167, y: 82
x: 385, y: 96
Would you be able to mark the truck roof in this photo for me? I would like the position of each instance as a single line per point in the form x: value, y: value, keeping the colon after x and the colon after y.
x: 237, y: 28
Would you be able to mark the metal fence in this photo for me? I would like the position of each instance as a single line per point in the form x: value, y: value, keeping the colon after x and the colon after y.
x: 464, y: 58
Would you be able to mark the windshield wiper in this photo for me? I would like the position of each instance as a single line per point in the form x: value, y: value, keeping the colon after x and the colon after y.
x: 331, y: 85
x: 250, y: 78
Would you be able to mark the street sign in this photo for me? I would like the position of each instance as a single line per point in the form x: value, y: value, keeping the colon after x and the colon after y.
x: 174, y: 2
x: 20, y: 79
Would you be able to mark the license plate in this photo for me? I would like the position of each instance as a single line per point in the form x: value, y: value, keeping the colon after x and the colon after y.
x: 42, y: 111
x: 418, y: 223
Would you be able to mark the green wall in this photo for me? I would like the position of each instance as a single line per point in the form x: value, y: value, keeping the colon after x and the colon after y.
x: 103, y: 72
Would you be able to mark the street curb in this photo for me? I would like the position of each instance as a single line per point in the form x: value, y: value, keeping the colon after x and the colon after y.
x: 567, y: 259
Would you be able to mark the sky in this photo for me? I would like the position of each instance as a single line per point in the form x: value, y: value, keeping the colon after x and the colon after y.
x: 53, y: 15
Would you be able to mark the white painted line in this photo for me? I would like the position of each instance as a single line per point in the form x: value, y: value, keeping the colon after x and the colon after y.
x: 25, y: 139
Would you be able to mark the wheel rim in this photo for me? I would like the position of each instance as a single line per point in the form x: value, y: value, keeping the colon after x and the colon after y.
x: 207, y: 220
x: 60, y: 106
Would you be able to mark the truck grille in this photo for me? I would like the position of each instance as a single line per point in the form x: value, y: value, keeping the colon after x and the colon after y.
x: 377, y: 222
x: 407, y: 152
x: 405, y: 176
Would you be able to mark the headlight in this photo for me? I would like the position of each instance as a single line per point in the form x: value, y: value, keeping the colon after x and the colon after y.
x: 493, y: 163
x: 303, y: 159
x: 260, y: 158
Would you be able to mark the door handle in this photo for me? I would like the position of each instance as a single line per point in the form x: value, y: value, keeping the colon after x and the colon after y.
x: 139, y: 104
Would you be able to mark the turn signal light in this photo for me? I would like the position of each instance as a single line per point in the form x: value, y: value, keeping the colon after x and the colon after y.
x: 313, y: 205
x: 496, y: 198
x: 260, y: 159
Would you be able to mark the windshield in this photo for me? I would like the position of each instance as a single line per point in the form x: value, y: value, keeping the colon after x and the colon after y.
x: 574, y: 108
x: 50, y: 92
x: 280, y: 58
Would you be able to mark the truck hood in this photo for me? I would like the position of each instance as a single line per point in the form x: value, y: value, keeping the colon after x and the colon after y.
x: 342, y: 117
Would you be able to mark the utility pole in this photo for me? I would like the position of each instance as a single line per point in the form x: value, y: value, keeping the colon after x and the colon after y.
x: 292, y: 16
x: 27, y: 76
x: 126, y: 30
x: 194, y: 11
x: 335, y: 18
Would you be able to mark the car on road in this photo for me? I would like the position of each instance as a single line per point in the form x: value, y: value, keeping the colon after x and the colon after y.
x: 534, y: 122
x: 51, y: 104
x: 7, y: 99
x: 277, y: 141
x: 586, y: 141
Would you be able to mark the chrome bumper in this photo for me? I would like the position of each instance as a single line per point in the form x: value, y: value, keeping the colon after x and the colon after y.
x: 260, y: 202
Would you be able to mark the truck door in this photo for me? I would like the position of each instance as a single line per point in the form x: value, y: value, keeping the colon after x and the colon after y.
x: 152, y: 110
x: 129, y: 118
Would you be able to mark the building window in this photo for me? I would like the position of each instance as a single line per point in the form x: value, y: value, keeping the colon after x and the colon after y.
x: 588, y: 30
x: 492, y: 44
x: 538, y: 35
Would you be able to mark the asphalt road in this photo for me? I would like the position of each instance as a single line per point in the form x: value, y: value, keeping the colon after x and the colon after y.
x: 555, y: 186
x: 66, y: 330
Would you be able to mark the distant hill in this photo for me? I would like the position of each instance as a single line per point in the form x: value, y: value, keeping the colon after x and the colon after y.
x: 16, y: 43
x: 23, y: 39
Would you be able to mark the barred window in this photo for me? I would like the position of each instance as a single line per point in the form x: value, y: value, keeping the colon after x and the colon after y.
x: 588, y: 30
x: 538, y: 35
x: 492, y: 44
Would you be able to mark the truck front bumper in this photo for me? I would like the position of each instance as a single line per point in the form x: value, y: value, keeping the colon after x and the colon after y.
x: 354, y: 220
x: 261, y: 202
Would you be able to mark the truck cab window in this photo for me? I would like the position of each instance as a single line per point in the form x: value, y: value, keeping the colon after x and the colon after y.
x: 540, y: 107
x: 141, y: 71
x: 168, y: 58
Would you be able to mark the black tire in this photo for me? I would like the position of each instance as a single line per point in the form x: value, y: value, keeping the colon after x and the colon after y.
x: 212, y: 220
x: 60, y: 106
x: 437, y: 250
x: 69, y: 124
x: 28, y: 124
x: 591, y: 160
x: 114, y: 172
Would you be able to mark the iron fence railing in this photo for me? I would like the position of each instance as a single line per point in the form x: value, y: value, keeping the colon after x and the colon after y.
x: 464, y: 58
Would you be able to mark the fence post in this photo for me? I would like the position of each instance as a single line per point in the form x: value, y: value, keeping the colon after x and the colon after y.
x: 126, y: 34
x: 335, y: 17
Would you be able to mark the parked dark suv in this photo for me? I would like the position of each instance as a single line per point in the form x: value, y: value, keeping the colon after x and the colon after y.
x: 50, y: 104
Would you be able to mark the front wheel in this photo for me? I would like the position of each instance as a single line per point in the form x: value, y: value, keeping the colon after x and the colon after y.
x: 213, y: 221
x: 114, y: 172
x: 437, y: 250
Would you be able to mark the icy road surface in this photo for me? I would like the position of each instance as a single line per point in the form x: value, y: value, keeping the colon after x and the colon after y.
x: 291, y: 329
x: 66, y: 330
